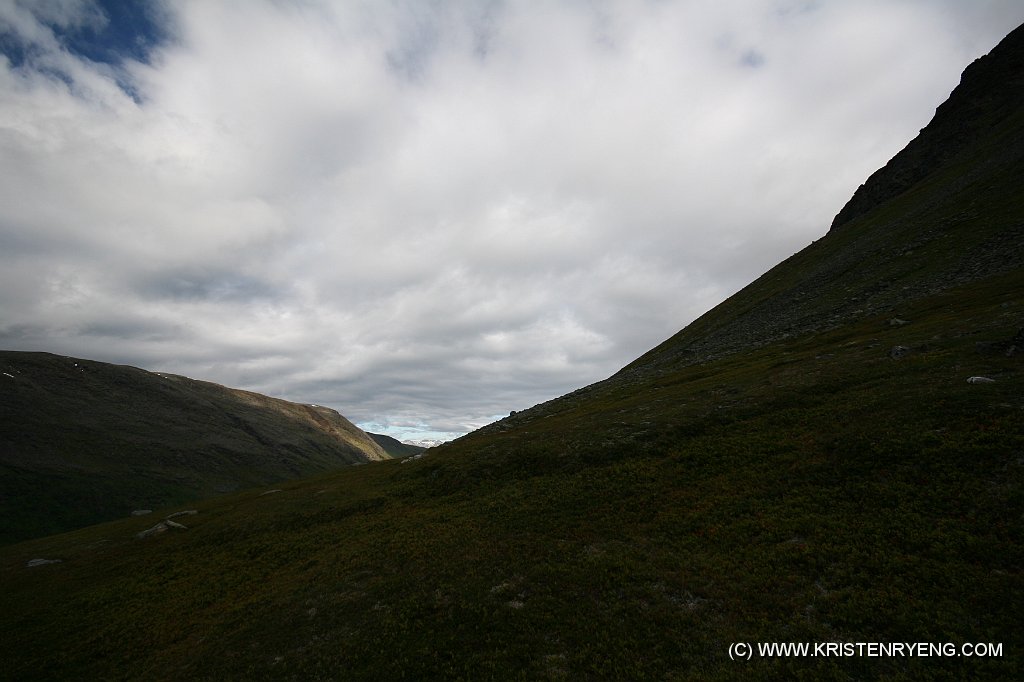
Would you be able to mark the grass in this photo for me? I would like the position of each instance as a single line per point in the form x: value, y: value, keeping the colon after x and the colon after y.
x: 83, y: 442
x: 770, y: 474
x: 814, y: 491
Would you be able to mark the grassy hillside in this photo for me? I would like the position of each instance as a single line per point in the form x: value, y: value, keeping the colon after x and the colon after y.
x: 816, y: 490
x: 806, y: 463
x: 83, y: 441
x: 960, y: 224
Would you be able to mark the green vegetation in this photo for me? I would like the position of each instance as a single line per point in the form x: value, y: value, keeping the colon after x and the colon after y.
x: 816, y: 490
x: 773, y: 473
x: 83, y: 442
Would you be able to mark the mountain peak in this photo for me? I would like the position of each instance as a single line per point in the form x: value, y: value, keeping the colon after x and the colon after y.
x: 990, y: 90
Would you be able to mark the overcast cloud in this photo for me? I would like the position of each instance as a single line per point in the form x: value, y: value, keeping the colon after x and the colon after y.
x: 427, y: 214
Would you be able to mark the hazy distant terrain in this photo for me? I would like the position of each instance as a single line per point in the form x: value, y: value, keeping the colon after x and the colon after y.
x: 84, y: 441
x: 395, y: 447
x: 833, y: 455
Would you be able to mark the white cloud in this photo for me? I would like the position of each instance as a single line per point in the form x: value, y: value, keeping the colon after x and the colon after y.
x: 427, y: 215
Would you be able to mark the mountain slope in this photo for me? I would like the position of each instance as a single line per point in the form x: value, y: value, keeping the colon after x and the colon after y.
x: 395, y: 447
x: 942, y: 213
x: 83, y: 441
x: 807, y: 463
x: 991, y: 92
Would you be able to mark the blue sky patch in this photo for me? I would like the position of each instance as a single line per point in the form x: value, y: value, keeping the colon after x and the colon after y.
x: 107, y: 31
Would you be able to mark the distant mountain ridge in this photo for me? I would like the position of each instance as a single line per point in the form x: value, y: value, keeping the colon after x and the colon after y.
x: 395, y: 447
x: 834, y: 454
x: 84, y: 441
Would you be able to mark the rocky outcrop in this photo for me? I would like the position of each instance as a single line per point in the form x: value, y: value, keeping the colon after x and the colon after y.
x: 918, y: 227
x: 991, y: 89
x: 166, y: 524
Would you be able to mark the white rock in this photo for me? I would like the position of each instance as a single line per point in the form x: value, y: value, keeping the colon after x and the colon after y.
x: 155, y: 530
x: 980, y: 380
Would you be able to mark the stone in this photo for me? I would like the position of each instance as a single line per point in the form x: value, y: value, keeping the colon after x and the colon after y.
x: 897, y: 352
x: 155, y: 530
x: 163, y: 526
x: 32, y: 563
x: 980, y: 380
x: 142, y: 512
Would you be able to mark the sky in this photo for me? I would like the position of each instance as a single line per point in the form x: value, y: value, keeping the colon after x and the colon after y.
x: 427, y: 214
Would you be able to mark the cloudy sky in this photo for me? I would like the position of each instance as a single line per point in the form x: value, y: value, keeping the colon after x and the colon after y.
x: 427, y: 214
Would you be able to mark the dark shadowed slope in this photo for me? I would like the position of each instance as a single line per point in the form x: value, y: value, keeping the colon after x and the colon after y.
x: 991, y: 92
x: 395, y: 447
x: 83, y: 441
x: 945, y: 212
x: 833, y: 455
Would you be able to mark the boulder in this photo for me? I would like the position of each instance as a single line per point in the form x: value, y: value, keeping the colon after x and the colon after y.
x: 897, y: 352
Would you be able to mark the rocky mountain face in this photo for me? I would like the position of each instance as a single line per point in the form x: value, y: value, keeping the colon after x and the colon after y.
x: 835, y: 454
x: 991, y: 91
x: 945, y: 212
x: 941, y: 214
x: 84, y: 441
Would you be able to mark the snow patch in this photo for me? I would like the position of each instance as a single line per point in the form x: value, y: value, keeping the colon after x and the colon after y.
x: 425, y: 442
